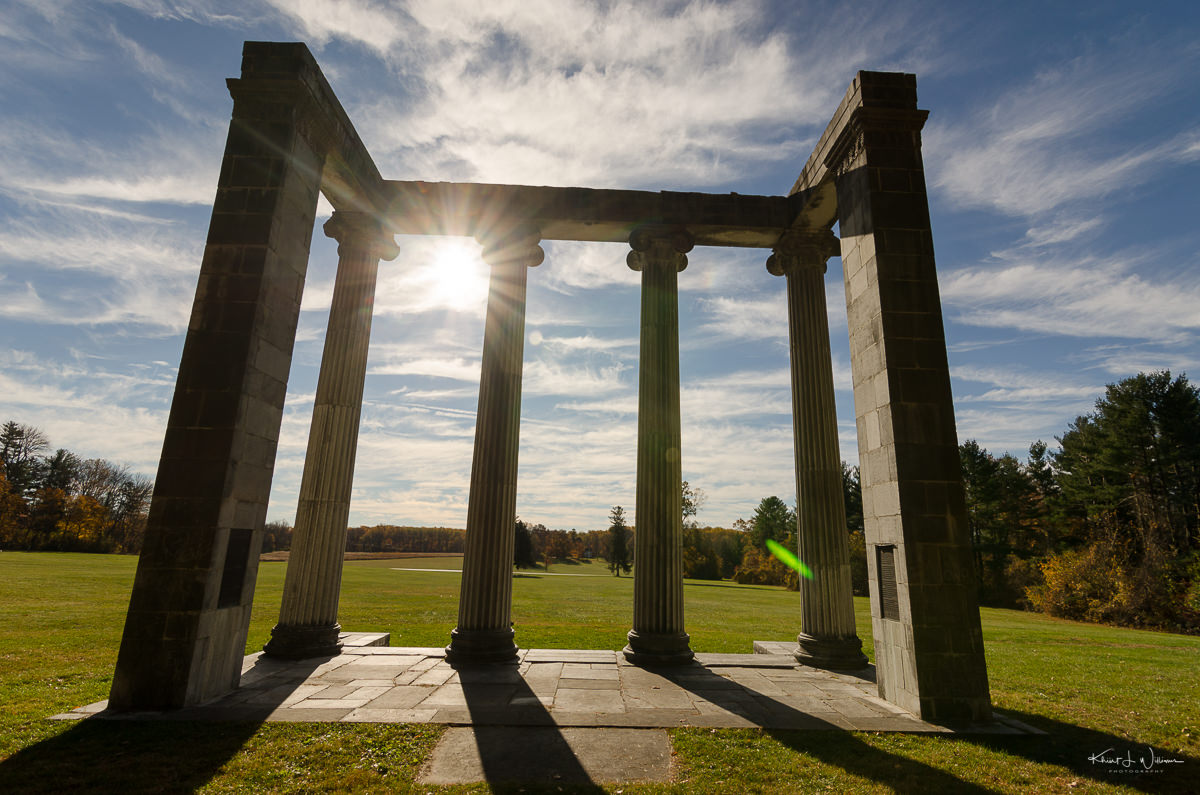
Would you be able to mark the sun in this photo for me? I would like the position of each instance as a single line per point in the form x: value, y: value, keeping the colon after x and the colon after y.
x: 458, y: 278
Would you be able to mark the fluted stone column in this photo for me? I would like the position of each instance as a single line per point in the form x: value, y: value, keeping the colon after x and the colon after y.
x: 828, y: 639
x: 657, y: 637
x: 484, y: 633
x: 308, y: 625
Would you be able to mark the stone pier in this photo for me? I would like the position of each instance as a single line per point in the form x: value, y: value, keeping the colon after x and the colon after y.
x: 829, y: 638
x: 308, y: 625
x: 484, y: 633
x: 657, y: 637
x: 866, y: 174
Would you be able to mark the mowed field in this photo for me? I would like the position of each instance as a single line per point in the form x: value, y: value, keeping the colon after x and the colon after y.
x: 1098, y: 692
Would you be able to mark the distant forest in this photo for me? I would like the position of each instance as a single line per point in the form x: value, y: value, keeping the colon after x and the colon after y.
x: 1105, y: 529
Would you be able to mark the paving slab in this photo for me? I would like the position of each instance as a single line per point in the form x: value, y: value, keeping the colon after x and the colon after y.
x: 553, y: 687
x: 580, y: 700
x: 548, y: 756
x: 589, y: 684
x: 398, y: 698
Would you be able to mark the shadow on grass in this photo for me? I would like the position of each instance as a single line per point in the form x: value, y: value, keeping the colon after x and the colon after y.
x: 1095, y: 755
x: 831, y: 744
x: 1090, y: 755
x: 170, y: 751
x: 98, y: 755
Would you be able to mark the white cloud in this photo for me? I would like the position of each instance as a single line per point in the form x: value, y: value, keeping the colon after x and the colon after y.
x: 572, y: 266
x: 1018, y: 386
x: 1084, y: 298
x: 455, y: 369
x: 1060, y: 230
x: 379, y: 26
x: 625, y: 95
x: 587, y: 342
x: 544, y: 377
x: 1050, y: 143
x: 1123, y: 361
x: 78, y: 405
x: 740, y: 317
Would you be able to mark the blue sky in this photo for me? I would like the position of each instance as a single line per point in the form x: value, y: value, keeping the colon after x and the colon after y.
x: 1062, y: 154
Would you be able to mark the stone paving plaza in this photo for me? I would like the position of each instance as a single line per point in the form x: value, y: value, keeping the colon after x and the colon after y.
x: 551, y: 687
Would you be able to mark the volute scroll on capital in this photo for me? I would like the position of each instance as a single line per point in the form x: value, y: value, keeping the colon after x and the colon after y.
x: 361, y: 229
x: 651, y: 243
x: 518, y: 243
x: 803, y: 248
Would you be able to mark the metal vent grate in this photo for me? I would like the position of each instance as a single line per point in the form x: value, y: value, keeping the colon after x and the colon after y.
x: 889, y: 599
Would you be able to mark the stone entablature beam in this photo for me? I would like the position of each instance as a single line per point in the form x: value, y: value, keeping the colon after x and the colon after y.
x: 590, y: 214
x: 888, y: 98
x: 286, y: 76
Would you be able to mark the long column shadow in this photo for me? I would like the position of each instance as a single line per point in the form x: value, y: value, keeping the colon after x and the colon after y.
x: 518, y: 741
x: 172, y: 751
x: 1096, y: 755
x: 835, y: 746
x: 1093, y: 755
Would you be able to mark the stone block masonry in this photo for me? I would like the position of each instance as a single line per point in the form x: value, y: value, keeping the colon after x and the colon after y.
x: 289, y: 141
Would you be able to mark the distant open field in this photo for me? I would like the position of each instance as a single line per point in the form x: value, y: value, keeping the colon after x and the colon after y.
x: 277, y: 557
x: 1092, y: 688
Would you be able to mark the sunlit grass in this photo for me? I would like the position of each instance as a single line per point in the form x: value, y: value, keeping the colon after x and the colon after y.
x: 1090, y: 687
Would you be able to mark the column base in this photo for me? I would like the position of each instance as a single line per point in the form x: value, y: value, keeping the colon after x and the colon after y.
x: 652, y: 650
x: 481, y: 646
x: 833, y: 653
x: 300, y: 642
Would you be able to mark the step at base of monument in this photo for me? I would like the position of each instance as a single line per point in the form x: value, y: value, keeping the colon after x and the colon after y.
x: 360, y: 639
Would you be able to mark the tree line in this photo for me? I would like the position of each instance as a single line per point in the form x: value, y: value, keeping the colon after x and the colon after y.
x: 58, y: 501
x: 1106, y: 528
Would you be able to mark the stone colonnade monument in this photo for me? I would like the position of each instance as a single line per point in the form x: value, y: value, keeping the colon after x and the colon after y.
x: 289, y: 140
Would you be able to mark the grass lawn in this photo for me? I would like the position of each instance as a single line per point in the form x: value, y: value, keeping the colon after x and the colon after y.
x: 1092, y: 688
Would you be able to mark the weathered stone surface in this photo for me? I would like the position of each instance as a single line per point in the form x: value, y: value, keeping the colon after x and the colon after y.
x: 658, y: 636
x: 290, y: 140
x: 484, y: 633
x: 930, y: 654
x: 541, y: 755
x: 799, y: 697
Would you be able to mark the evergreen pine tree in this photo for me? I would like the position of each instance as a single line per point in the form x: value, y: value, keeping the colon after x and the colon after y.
x: 619, y: 558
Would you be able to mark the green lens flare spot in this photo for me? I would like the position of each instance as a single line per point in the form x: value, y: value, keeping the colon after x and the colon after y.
x: 788, y: 559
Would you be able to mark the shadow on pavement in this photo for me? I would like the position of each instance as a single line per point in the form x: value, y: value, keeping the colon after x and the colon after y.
x: 515, y: 757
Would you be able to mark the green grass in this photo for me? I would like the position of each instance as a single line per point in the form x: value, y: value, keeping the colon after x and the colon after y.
x: 1090, y: 687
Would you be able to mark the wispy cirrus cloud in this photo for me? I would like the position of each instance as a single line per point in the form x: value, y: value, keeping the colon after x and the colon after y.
x: 120, y: 271
x: 1053, y: 142
x: 1084, y: 297
x: 616, y: 94
x: 78, y: 402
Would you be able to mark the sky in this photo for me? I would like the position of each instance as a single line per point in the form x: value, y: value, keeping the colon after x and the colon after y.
x: 1062, y: 154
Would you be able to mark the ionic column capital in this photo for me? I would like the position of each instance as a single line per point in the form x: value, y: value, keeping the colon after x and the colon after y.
x: 659, y: 244
x: 516, y: 244
x: 803, y: 248
x: 352, y: 229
